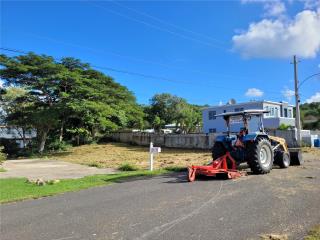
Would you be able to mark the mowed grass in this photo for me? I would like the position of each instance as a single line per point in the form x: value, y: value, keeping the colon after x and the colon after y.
x: 14, y: 189
x: 114, y: 155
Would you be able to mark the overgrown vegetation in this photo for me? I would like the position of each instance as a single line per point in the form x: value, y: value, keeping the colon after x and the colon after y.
x: 14, y: 189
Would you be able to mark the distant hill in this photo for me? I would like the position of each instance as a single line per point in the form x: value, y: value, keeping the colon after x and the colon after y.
x: 310, y: 115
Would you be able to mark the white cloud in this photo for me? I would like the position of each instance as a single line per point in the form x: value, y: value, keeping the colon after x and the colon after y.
x: 311, y: 4
x: 314, y: 98
x: 274, y: 8
x: 254, y: 92
x: 281, y: 38
x: 288, y: 94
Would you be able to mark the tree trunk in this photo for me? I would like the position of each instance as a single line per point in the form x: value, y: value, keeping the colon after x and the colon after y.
x: 42, y: 139
x: 93, y: 133
x: 61, y: 132
x: 78, y: 139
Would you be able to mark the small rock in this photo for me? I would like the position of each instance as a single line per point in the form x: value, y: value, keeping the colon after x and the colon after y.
x: 40, y: 182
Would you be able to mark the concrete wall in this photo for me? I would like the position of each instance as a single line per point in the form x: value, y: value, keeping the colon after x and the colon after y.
x: 191, y: 141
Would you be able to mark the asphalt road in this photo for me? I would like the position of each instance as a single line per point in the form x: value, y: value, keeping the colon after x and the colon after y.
x: 286, y: 201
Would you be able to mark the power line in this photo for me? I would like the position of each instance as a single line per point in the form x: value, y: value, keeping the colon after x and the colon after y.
x: 134, y: 58
x: 156, y: 27
x: 139, y: 74
x: 166, y: 22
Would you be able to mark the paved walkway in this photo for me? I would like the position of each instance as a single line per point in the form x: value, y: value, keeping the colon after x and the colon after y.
x: 48, y: 169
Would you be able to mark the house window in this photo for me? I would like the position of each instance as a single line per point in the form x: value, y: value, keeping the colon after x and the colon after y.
x: 212, y: 115
x: 276, y: 112
x: 285, y: 110
x: 266, y: 109
x: 289, y: 113
x: 212, y: 130
x: 272, y: 111
x: 224, y: 111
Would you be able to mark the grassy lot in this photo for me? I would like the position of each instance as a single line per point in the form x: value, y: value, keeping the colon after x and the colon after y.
x: 114, y: 155
x: 14, y: 189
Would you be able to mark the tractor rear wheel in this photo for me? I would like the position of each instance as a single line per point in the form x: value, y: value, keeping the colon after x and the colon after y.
x: 260, y: 156
x: 218, y: 150
x: 282, y: 159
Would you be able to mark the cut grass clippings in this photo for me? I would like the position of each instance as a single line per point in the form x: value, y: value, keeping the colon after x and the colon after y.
x: 2, y: 169
x: 114, y: 155
x: 14, y: 189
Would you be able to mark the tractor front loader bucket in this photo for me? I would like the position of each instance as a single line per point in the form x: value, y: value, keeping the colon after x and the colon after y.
x: 218, y: 166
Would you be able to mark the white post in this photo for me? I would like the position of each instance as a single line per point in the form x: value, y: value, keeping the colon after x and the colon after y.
x: 151, y: 156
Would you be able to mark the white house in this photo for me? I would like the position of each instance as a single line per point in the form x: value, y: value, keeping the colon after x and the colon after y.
x: 16, y: 134
x: 280, y: 113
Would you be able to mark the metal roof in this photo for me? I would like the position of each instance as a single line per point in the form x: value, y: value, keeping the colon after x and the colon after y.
x: 244, y: 112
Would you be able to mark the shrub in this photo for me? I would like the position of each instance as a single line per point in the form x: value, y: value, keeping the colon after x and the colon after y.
x: 56, y: 145
x: 3, y: 156
x: 127, y: 167
x: 283, y: 126
x: 10, y: 147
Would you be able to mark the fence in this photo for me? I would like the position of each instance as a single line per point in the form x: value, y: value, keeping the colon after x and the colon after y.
x: 193, y: 141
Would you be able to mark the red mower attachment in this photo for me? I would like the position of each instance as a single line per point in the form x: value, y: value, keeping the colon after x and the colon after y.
x: 218, y: 166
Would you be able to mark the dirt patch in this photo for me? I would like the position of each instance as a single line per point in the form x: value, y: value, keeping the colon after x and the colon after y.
x: 48, y: 169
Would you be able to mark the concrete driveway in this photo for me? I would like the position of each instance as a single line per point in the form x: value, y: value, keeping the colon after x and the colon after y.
x: 48, y: 169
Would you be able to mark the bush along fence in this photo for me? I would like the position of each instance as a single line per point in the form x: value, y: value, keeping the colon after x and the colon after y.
x: 190, y: 141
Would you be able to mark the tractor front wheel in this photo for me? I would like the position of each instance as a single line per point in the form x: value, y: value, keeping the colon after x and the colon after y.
x: 282, y: 159
x: 260, y: 156
x: 218, y: 150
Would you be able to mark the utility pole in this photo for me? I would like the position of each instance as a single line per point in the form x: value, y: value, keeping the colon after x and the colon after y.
x: 296, y: 90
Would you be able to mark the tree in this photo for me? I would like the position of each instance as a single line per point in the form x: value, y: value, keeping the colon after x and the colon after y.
x: 40, y: 76
x: 167, y: 109
x: 310, y: 115
x: 68, y: 96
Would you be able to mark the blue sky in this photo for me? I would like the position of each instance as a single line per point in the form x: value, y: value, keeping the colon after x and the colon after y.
x: 206, y: 52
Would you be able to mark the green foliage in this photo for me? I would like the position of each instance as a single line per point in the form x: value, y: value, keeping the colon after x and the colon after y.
x: 167, y: 109
x: 3, y: 156
x: 310, y: 115
x: 56, y: 145
x: 10, y: 147
x: 127, y: 167
x: 283, y: 126
x: 64, y: 98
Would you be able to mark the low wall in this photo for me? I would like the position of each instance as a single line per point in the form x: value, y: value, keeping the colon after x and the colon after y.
x: 192, y: 141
